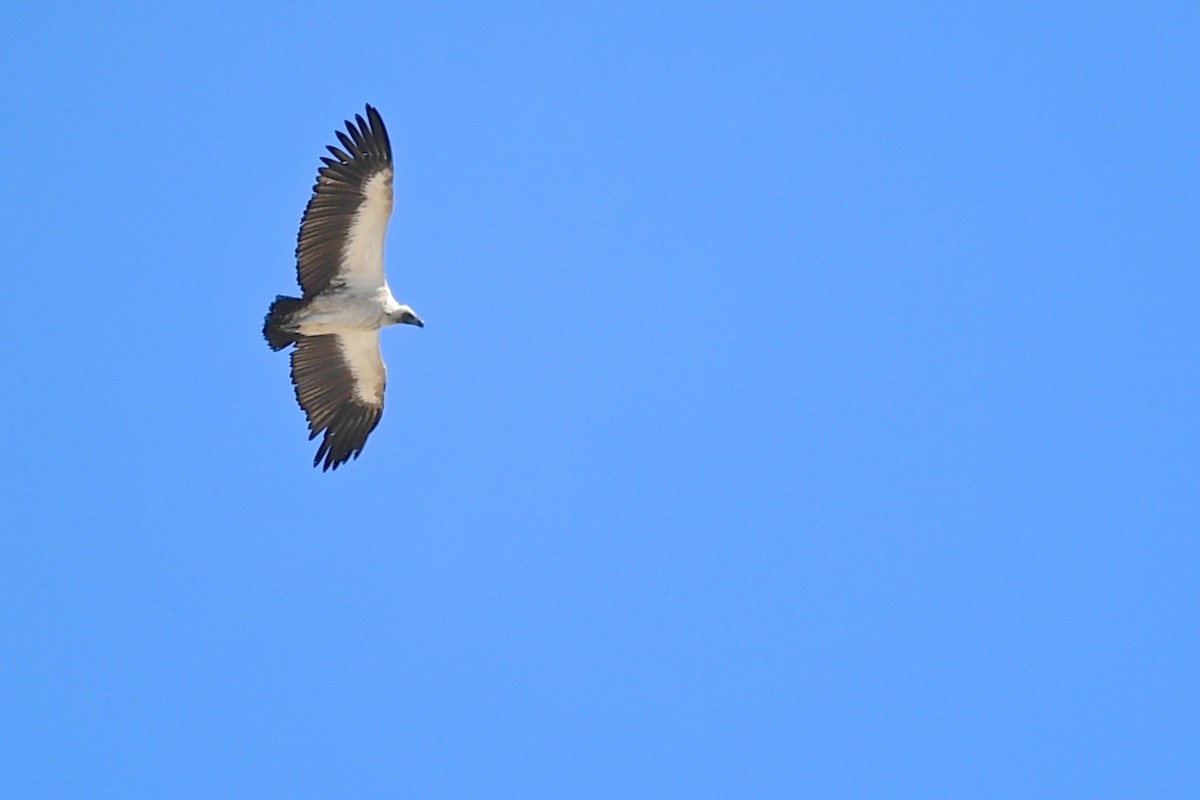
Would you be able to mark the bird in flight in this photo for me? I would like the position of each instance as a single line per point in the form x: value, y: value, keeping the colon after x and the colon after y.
x: 336, y: 367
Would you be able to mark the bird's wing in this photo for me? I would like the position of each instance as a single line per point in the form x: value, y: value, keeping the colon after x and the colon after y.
x: 341, y: 235
x: 339, y: 380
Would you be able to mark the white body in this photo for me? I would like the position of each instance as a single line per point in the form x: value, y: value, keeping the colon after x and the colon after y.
x: 347, y: 310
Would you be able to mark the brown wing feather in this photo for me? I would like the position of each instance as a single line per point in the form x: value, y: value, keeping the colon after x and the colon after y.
x: 331, y: 376
x: 337, y: 195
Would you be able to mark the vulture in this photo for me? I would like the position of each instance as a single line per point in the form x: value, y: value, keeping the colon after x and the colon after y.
x: 337, y: 371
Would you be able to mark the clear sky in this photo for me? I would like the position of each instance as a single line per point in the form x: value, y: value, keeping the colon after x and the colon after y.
x: 807, y: 405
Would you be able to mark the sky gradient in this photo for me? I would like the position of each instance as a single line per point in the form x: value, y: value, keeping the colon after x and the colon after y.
x: 806, y: 405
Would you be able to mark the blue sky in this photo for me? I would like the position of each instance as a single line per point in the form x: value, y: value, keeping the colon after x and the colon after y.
x: 806, y: 407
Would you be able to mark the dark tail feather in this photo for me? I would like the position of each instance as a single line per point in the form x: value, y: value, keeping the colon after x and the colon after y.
x: 277, y: 317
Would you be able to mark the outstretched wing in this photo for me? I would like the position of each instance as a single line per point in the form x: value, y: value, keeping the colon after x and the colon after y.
x: 341, y: 235
x: 339, y: 380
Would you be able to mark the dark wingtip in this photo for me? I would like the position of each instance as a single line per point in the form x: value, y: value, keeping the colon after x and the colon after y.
x: 377, y: 129
x: 348, y: 142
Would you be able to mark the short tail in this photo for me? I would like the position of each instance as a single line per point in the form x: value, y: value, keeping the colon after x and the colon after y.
x: 278, y: 316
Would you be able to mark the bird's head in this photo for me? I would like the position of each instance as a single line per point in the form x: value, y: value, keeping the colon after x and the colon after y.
x: 405, y: 316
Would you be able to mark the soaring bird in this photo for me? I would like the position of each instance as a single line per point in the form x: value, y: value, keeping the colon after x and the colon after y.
x: 336, y: 367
